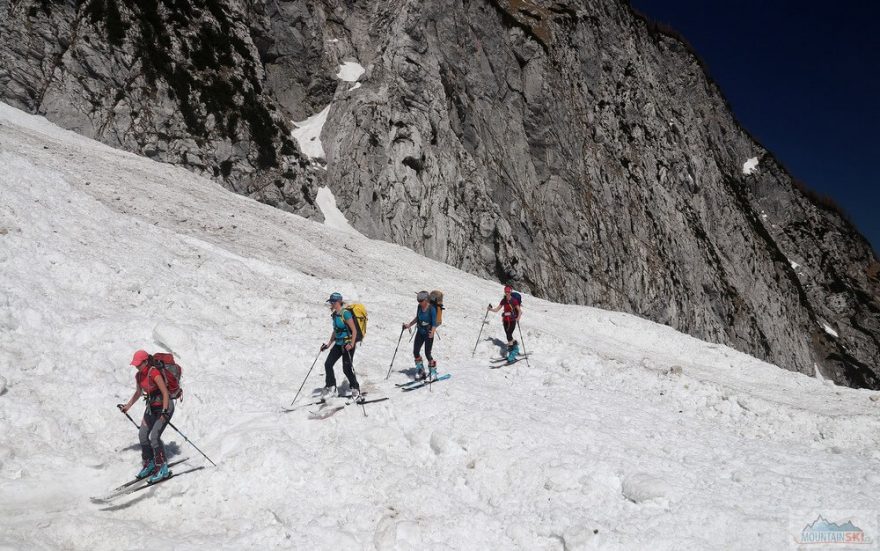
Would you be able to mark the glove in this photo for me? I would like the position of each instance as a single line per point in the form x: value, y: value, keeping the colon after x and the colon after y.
x: 324, y: 346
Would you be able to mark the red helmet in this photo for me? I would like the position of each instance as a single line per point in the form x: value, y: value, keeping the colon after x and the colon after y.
x: 139, y: 357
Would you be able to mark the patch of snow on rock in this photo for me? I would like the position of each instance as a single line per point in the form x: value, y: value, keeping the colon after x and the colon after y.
x: 333, y: 217
x: 750, y: 166
x: 350, y: 71
x: 308, y: 134
x: 829, y: 330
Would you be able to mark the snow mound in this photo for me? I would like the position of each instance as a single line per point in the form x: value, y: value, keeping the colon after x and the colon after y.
x: 350, y: 71
x: 750, y: 166
x: 107, y: 252
x: 643, y: 487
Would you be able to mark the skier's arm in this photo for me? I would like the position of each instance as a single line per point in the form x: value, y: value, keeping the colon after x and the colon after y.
x: 496, y: 308
x: 433, y: 323
x: 133, y: 399
x: 160, y: 382
x: 410, y: 324
x: 518, y: 312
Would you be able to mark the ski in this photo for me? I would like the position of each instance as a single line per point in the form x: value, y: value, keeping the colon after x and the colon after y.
x: 503, y: 364
x: 331, y: 411
x: 504, y: 359
x: 121, y: 490
x: 373, y: 401
x: 408, y: 383
x: 300, y: 406
x: 171, y: 475
x: 324, y: 413
x: 426, y: 382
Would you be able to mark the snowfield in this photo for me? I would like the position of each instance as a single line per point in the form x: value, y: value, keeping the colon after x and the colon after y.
x: 621, y: 434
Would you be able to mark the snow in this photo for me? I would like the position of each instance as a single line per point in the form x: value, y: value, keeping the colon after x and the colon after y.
x: 355, y: 87
x: 350, y: 71
x: 794, y: 265
x: 308, y: 134
x: 333, y: 217
x: 750, y: 166
x: 828, y: 329
x: 621, y: 434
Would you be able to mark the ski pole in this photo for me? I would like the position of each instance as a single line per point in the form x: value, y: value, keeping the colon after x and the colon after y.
x: 127, y: 415
x: 524, y: 343
x: 170, y: 424
x: 481, y: 331
x: 306, y: 379
x: 395, y: 353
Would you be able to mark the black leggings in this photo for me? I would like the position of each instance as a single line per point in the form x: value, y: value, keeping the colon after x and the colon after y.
x: 347, y: 356
x: 509, y: 327
x: 417, y: 346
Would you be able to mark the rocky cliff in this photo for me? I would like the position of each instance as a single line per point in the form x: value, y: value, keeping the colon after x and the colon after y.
x: 178, y: 81
x: 570, y: 148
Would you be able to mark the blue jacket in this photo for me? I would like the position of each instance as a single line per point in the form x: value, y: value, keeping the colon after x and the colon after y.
x: 426, y: 320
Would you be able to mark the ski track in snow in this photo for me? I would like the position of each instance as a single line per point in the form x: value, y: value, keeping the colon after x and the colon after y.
x: 623, y: 434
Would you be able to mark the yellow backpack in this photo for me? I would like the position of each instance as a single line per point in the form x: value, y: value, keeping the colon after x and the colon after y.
x: 359, y: 313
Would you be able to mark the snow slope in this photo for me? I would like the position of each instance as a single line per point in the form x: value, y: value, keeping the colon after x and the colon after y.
x: 621, y: 434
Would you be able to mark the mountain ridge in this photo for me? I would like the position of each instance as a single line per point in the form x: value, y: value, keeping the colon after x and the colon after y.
x: 566, y: 148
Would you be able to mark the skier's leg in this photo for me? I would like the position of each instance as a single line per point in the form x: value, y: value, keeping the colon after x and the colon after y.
x: 429, y: 344
x: 348, y: 369
x: 144, y: 436
x: 332, y: 357
x: 417, y: 349
x: 417, y: 346
x: 156, y: 433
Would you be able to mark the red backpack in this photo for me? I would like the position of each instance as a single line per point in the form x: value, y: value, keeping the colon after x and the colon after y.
x: 171, y: 373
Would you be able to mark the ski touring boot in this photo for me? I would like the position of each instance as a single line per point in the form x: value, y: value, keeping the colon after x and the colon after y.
x: 328, y: 392
x: 356, y: 396
x: 162, y: 471
x: 432, y: 375
x: 512, y: 352
x: 420, y: 370
x: 147, y: 469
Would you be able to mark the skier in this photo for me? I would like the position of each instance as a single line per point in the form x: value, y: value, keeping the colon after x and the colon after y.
x: 426, y: 318
x: 341, y: 345
x: 512, y: 305
x: 150, y: 383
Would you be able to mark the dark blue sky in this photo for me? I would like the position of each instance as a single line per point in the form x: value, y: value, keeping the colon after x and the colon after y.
x: 804, y: 79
